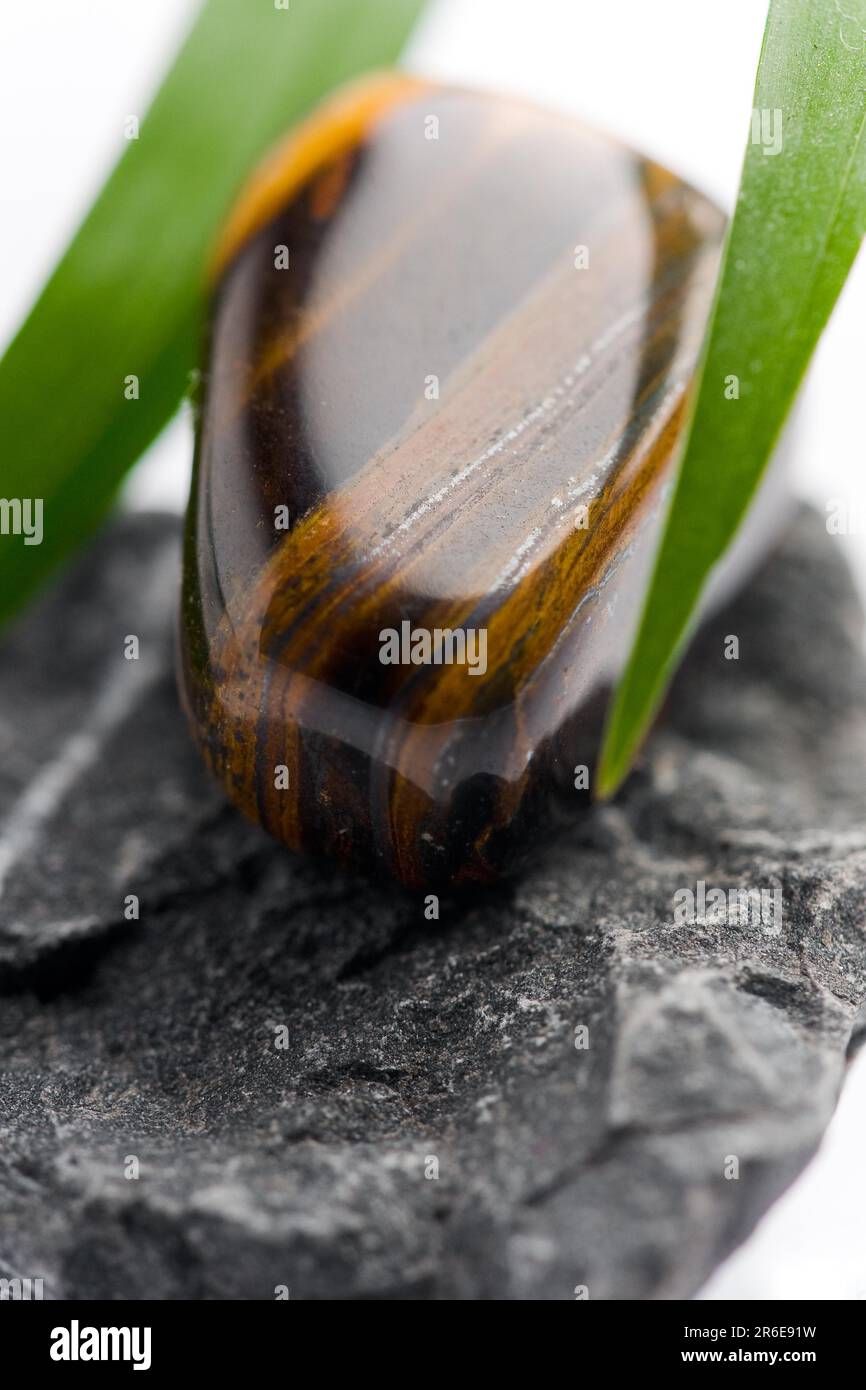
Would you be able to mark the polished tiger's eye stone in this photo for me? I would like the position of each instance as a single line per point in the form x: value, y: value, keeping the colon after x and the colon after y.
x: 450, y: 343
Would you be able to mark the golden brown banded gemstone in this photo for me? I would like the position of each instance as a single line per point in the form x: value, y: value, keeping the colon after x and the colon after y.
x: 450, y: 341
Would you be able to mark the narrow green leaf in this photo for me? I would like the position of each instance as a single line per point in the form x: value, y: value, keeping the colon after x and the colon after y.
x: 800, y: 217
x: 125, y: 299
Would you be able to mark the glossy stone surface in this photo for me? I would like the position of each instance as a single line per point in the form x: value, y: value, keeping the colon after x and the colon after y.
x: 466, y: 389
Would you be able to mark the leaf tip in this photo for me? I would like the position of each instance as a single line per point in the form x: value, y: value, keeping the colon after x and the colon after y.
x: 613, y: 767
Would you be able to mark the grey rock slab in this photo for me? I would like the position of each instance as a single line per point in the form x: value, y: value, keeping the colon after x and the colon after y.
x: 289, y: 1055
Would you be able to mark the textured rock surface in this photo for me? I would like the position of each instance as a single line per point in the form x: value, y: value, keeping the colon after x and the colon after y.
x: 407, y: 1039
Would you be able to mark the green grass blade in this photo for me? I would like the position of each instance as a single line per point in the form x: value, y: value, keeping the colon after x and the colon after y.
x: 125, y: 298
x: 799, y: 220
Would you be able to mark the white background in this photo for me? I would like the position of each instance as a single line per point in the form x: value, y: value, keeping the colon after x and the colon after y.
x: 673, y: 77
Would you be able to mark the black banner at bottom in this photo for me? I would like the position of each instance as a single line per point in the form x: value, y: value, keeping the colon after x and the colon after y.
x: 224, y: 1338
